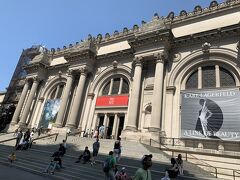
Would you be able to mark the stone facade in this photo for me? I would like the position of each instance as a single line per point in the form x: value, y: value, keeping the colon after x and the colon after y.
x: 131, y: 81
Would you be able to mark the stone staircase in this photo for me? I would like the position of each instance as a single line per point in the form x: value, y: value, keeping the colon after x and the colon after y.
x: 36, y: 159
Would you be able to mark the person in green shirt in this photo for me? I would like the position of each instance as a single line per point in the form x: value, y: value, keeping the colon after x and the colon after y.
x: 111, y: 163
x: 144, y: 173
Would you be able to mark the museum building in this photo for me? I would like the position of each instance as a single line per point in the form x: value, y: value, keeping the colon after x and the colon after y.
x: 176, y: 76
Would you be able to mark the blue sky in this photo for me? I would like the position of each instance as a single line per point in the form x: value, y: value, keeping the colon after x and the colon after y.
x: 55, y: 23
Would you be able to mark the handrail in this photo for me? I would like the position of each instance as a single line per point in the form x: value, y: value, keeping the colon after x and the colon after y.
x: 7, y: 140
x: 73, y: 134
x: 234, y: 173
x: 54, y: 134
x: 4, y: 133
x: 187, y: 153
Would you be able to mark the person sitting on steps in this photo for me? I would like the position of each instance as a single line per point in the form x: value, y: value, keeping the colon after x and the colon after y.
x: 86, y: 156
x: 56, y: 163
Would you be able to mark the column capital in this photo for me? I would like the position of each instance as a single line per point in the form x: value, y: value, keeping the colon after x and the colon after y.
x: 160, y: 57
x: 36, y: 79
x: 83, y: 70
x: 137, y: 61
x: 27, y: 80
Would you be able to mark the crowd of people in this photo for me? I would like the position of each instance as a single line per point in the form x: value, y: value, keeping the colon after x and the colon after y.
x: 110, y: 165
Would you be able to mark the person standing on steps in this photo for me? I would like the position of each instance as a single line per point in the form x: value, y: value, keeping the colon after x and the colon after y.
x: 144, y: 173
x: 109, y: 166
x: 117, y: 149
x: 96, y: 146
x: 19, y: 137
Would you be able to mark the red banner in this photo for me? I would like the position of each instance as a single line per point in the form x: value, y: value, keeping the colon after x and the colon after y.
x: 112, y: 101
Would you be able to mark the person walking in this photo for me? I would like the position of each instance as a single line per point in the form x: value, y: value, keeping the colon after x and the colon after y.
x: 102, y: 131
x: 117, y: 149
x: 19, y: 137
x: 26, y: 136
x: 144, y: 173
x: 96, y: 146
x: 109, y: 166
x: 31, y: 138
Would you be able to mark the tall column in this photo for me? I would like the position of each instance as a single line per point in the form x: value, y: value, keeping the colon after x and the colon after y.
x: 157, y: 93
x: 94, y: 122
x: 120, y: 86
x: 64, y: 100
x: 77, y: 99
x: 114, y: 130
x: 117, y: 126
x: 105, y: 123
x: 20, y: 103
x: 134, y: 97
x: 26, y: 110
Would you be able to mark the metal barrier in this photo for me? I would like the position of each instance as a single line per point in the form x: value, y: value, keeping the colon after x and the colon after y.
x: 187, y: 154
x: 73, y: 134
x: 54, y: 134
x: 7, y: 140
x: 1, y: 134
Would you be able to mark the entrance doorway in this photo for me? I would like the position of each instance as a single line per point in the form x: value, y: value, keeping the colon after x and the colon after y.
x: 110, y: 127
x: 121, y: 125
x: 101, y: 120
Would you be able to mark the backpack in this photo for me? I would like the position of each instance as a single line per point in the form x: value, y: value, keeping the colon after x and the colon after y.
x: 106, y: 165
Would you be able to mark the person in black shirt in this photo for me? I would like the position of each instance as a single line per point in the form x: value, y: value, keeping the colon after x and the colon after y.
x: 86, y: 155
x: 117, y: 149
x: 62, y: 150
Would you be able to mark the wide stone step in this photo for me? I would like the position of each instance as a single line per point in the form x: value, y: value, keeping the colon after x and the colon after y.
x: 38, y: 159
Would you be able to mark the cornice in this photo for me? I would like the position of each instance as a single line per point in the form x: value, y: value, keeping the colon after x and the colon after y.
x: 59, y: 66
x: 36, y: 66
x: 128, y: 53
x: 201, y: 12
x: 154, y: 39
x: 85, y: 56
x: 211, y: 35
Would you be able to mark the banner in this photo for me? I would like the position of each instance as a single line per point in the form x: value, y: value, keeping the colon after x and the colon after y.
x: 112, y: 101
x: 50, y: 111
x: 211, y: 114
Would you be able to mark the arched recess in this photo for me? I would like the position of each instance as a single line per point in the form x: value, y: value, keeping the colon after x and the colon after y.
x: 49, y: 87
x: 98, y: 83
x: 109, y: 72
x: 52, y: 84
x: 147, y: 115
x: 223, y: 57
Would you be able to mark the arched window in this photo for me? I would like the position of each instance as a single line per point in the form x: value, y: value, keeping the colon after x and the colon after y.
x: 226, y: 78
x: 125, y: 87
x: 116, y: 86
x: 106, y: 89
x: 208, y: 77
x: 192, y: 82
x: 57, y: 92
x: 211, y: 77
